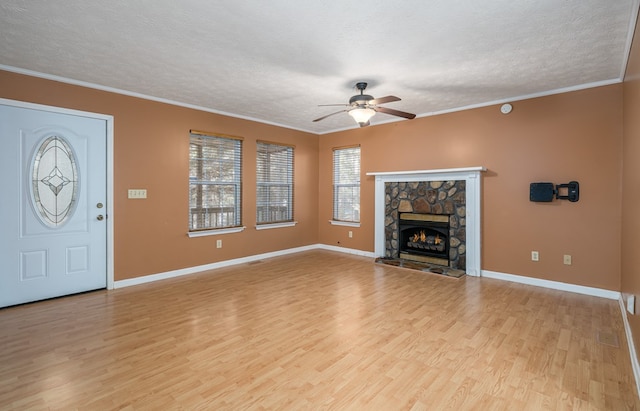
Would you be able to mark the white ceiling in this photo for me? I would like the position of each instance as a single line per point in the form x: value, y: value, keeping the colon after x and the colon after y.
x: 275, y: 61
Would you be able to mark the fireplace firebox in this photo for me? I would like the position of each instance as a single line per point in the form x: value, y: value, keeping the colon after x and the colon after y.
x: 424, y: 237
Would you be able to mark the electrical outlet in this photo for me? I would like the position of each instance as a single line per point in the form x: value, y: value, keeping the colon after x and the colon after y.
x: 137, y: 193
x: 350, y: 234
x: 218, y: 243
x: 567, y: 259
x: 535, y: 256
x: 631, y: 304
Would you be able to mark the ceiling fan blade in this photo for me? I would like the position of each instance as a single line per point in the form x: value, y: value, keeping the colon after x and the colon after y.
x: 328, y: 115
x: 382, y: 100
x: 332, y: 105
x: 395, y: 112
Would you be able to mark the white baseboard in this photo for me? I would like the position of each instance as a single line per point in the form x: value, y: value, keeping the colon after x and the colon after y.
x: 345, y: 250
x: 597, y: 292
x: 227, y: 263
x: 556, y: 285
x: 632, y: 347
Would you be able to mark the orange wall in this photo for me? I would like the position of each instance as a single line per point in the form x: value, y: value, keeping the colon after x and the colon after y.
x: 151, y: 143
x: 571, y: 136
x: 631, y: 185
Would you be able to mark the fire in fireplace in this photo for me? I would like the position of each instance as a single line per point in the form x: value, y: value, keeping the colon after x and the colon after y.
x: 424, y: 237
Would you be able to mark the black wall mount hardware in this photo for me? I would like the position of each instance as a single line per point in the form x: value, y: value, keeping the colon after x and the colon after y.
x: 572, y: 191
x: 544, y: 192
x: 541, y: 192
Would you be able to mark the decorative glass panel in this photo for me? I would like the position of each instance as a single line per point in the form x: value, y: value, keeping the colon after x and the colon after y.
x: 54, y: 181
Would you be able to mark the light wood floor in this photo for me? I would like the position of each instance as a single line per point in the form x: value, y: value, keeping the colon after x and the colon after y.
x: 313, y: 331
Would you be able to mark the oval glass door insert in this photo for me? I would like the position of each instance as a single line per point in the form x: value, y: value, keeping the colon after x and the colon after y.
x: 54, y: 181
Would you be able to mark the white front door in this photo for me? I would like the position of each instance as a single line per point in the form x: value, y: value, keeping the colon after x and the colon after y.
x: 53, y: 204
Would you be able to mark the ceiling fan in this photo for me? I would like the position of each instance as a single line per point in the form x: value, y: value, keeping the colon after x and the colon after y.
x: 363, y: 106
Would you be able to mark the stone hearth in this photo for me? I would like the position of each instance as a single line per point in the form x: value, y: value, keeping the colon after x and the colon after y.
x: 423, y: 267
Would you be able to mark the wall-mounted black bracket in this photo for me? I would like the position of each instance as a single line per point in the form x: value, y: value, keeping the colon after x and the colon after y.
x: 544, y: 192
x: 572, y: 193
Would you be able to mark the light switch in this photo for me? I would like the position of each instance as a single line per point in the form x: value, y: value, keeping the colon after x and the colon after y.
x: 137, y: 193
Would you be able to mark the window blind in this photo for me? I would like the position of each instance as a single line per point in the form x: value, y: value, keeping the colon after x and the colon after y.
x: 215, y: 182
x: 274, y: 183
x: 346, y: 184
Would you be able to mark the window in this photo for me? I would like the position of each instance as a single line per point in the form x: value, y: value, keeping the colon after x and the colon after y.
x: 274, y: 195
x: 346, y: 184
x: 215, y: 181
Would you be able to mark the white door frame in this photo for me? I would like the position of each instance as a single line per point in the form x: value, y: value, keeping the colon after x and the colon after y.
x: 110, y: 212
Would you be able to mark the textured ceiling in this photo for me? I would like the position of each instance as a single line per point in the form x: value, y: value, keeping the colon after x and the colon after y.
x: 275, y: 61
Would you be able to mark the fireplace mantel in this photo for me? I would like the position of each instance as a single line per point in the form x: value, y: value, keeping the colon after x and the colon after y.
x: 447, y: 171
x: 472, y: 198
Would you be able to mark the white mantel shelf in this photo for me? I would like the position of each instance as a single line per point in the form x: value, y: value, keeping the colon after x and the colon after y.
x: 440, y: 171
x: 472, y: 197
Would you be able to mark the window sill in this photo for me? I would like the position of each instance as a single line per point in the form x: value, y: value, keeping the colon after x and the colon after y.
x: 217, y: 231
x: 344, y: 223
x: 276, y: 225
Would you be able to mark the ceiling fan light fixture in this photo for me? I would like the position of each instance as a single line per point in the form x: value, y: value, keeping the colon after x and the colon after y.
x: 362, y: 115
x: 363, y: 106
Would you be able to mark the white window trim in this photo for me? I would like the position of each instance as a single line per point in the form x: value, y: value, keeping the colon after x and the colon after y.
x: 269, y: 226
x: 237, y: 165
x: 216, y: 231
x: 345, y: 223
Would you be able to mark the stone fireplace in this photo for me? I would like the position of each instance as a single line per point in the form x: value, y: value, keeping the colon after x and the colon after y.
x: 426, y: 221
x: 459, y: 203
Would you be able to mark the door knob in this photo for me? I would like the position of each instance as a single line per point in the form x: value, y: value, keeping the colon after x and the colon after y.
x: 100, y: 217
